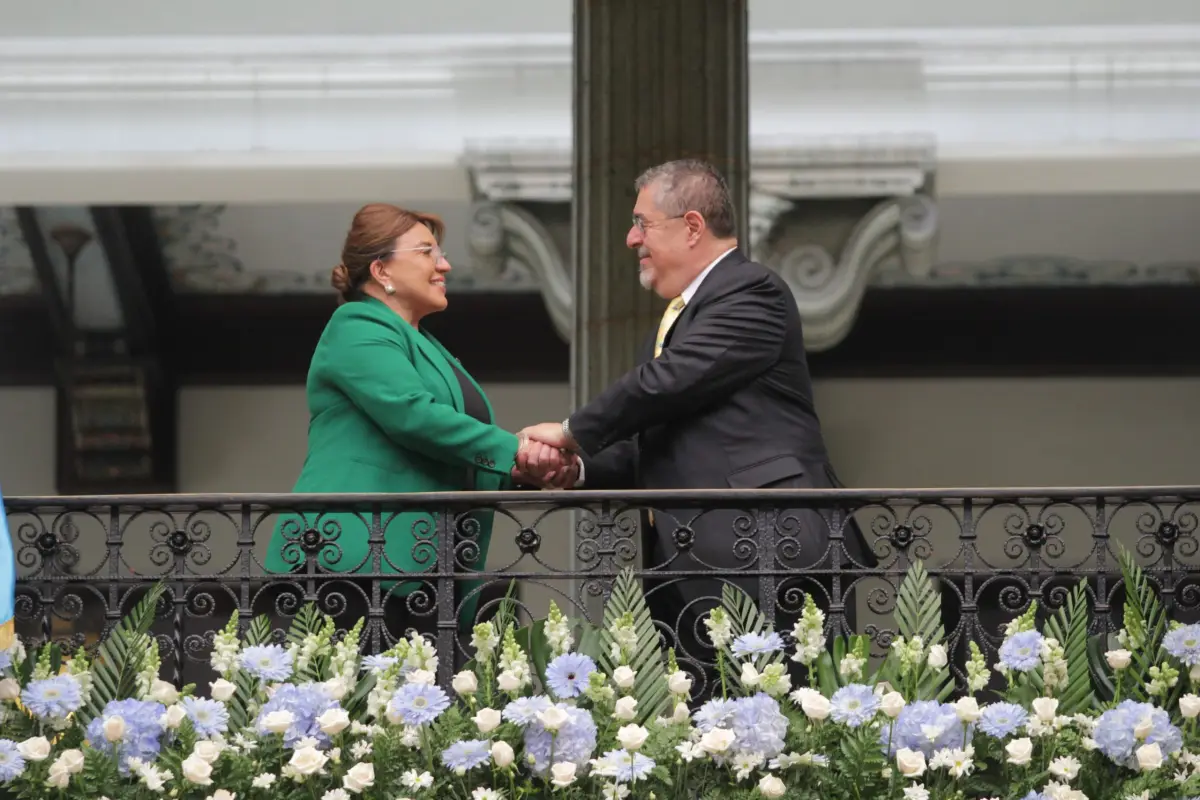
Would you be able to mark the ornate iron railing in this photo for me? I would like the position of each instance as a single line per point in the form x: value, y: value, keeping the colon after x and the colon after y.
x: 83, y: 561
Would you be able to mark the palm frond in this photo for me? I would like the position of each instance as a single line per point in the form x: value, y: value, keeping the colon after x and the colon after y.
x: 1069, y: 626
x: 744, y: 617
x: 919, y: 613
x: 259, y: 632
x: 646, y: 659
x: 121, y: 655
x: 1145, y: 621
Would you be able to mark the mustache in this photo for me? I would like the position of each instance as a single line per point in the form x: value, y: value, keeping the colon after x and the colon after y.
x: 643, y: 253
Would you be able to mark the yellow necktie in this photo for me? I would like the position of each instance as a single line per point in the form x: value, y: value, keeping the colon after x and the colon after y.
x: 674, y: 309
x: 668, y: 319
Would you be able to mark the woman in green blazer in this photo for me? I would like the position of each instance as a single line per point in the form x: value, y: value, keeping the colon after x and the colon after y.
x: 391, y: 411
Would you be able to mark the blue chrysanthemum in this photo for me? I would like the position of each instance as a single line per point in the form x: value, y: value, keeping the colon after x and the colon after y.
x: 267, y: 662
x: 854, y: 705
x: 567, y: 675
x: 1000, y: 720
x: 418, y: 703
x: 756, y: 644
x: 1115, y: 737
x: 378, y: 663
x: 758, y: 726
x: 208, y: 717
x: 462, y: 756
x: 629, y: 767
x: 713, y: 714
x: 925, y: 725
x: 306, y: 702
x: 53, y: 698
x: 1184, y: 644
x: 1022, y: 652
x: 524, y: 710
x: 575, y: 741
x: 6, y: 657
x: 11, y: 763
x: 143, y: 730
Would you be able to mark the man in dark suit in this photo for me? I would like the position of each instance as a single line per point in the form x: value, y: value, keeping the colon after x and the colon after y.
x: 722, y: 399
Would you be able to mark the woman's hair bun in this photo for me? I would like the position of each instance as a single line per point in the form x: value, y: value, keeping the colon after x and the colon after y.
x: 340, y: 279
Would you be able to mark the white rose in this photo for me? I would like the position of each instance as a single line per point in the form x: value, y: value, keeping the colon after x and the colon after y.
x: 1046, y: 708
x: 937, y: 656
x: 681, y: 713
x: 174, y: 716
x: 197, y: 770
x: 421, y: 676
x: 465, y: 683
x: 1118, y: 659
x: 624, y: 677
x: 626, y: 709
x: 632, y: 737
x: 308, y: 761
x: 679, y: 683
x: 70, y: 760
x: 278, y: 721
x: 163, y: 692
x: 359, y: 777
x: 911, y: 763
x: 891, y: 704
x: 508, y: 682
x: 209, y: 751
x: 967, y: 709
x: 502, y: 754
x: 9, y: 689
x: 770, y: 786
x: 221, y: 690
x: 114, y: 728
x: 58, y: 777
x: 35, y: 749
x: 553, y: 718
x: 1143, y: 727
x: 222, y: 794
x: 1020, y: 751
x: 487, y: 719
x: 336, y: 687
x: 1149, y: 756
x: 816, y: 706
x: 1189, y: 706
x: 749, y: 677
x: 334, y: 720
x: 717, y: 740
x: 563, y: 774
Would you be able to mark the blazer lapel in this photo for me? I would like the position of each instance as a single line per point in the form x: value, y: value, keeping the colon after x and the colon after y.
x: 710, y: 284
x: 433, y: 355
x: 451, y: 364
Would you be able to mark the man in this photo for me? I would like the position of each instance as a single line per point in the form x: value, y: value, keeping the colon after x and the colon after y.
x: 721, y: 399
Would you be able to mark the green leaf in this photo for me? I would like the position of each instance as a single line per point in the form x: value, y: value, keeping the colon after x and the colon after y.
x: 744, y: 617
x: 120, y: 656
x: 259, y: 632
x: 533, y: 641
x: 919, y: 613
x: 829, y: 665
x: 1146, y: 623
x: 1070, y: 627
x: 1097, y: 646
x: 650, y: 685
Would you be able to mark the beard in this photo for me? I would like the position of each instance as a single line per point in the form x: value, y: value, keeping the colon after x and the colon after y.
x: 645, y: 274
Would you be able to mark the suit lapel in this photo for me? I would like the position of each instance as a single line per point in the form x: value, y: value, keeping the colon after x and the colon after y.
x: 710, y: 284
x: 433, y: 354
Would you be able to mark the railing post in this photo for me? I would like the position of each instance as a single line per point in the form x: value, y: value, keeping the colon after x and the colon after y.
x: 766, y: 519
x: 447, y: 614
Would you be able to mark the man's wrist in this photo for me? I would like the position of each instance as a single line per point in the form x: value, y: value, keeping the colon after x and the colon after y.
x: 567, y: 436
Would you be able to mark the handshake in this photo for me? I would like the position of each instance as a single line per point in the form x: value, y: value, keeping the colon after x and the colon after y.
x: 546, y: 457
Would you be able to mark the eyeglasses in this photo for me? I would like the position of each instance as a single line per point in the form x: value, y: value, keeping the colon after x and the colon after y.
x: 643, y: 224
x: 436, y: 252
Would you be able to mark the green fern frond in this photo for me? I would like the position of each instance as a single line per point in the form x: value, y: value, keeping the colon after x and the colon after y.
x: 919, y: 606
x: 1070, y: 627
x: 1145, y: 622
x: 259, y: 632
x: 645, y: 657
x: 121, y: 655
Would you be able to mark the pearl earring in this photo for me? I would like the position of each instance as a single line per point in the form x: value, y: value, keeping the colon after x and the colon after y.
x: 389, y: 289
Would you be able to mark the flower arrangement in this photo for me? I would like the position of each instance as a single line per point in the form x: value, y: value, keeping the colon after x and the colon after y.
x: 564, y: 709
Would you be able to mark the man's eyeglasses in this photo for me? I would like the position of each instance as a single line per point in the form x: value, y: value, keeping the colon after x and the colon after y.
x: 642, y: 224
x: 435, y: 252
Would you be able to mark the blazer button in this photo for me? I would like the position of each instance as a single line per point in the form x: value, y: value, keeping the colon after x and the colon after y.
x: 491, y: 463
x: 478, y: 459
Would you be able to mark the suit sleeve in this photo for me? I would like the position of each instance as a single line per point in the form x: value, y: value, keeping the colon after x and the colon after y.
x: 735, y: 337
x: 374, y: 368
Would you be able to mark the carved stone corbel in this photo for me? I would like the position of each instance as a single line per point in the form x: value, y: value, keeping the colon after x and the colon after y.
x: 840, y: 214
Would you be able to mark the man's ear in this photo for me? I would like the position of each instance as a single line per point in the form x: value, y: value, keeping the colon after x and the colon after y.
x: 695, y: 224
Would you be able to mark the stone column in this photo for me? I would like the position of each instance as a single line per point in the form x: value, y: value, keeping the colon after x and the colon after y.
x: 655, y: 80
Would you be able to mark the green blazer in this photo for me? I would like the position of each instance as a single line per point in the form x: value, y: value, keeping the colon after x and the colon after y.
x: 386, y: 415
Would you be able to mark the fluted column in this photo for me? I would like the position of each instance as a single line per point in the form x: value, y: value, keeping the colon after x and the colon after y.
x: 655, y: 80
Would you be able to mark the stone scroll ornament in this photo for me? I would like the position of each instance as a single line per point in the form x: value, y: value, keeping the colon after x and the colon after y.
x: 8, y: 582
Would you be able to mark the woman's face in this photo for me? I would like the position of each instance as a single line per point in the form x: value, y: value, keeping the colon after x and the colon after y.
x: 417, y: 271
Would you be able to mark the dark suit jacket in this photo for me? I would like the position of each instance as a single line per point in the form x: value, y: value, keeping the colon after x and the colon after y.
x: 728, y: 404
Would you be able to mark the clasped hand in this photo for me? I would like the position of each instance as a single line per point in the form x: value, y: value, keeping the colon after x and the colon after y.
x: 545, y: 459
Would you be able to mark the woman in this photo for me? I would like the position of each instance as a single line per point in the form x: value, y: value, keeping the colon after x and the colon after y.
x: 391, y: 411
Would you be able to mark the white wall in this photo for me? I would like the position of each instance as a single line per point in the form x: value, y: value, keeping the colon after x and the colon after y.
x: 266, y: 17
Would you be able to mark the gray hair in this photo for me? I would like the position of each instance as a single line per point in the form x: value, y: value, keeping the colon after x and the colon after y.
x: 692, y: 185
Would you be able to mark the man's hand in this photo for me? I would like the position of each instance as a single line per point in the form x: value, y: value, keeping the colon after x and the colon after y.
x: 563, y: 478
x: 536, y: 460
x: 550, y: 433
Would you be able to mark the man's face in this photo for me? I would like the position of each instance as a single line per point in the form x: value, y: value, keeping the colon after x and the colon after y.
x: 661, y: 242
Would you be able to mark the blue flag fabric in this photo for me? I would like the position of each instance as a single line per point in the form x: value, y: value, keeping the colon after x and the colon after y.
x: 8, y: 582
